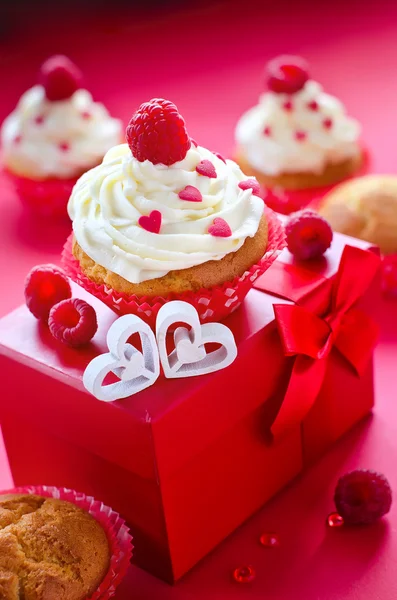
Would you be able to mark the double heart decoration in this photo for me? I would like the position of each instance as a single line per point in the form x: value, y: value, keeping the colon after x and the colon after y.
x: 138, y: 370
x: 311, y: 338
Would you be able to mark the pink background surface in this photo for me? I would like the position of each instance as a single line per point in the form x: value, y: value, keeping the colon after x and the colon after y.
x: 209, y: 60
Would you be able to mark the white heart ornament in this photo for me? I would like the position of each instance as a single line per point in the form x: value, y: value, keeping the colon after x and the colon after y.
x: 136, y: 370
x: 190, y: 357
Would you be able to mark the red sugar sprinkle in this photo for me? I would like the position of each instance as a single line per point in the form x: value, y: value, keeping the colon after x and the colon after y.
x: 64, y: 146
x: 190, y: 194
x: 267, y: 131
x: 300, y: 136
x: 327, y: 123
x: 313, y: 105
x: 288, y: 106
x: 152, y: 222
x: 206, y: 168
x: 220, y: 228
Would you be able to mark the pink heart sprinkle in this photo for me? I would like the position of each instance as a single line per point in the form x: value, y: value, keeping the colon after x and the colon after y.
x: 219, y: 156
x: 250, y: 184
x: 220, y: 228
x: 206, y: 168
x: 152, y: 222
x: 190, y: 194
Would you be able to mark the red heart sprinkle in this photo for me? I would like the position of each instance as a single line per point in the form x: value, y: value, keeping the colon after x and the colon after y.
x: 313, y: 105
x: 250, y: 184
x: 219, y: 156
x: 190, y: 194
x: 151, y: 222
x: 206, y: 168
x: 300, y: 136
x: 220, y: 228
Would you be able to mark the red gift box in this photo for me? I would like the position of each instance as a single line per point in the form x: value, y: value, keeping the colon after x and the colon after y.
x: 188, y: 460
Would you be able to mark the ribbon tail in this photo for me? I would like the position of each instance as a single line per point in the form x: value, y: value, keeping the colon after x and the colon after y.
x: 304, y: 386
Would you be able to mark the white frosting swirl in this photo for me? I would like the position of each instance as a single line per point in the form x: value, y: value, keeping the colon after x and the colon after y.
x: 108, y: 201
x: 280, y: 151
x: 62, y: 139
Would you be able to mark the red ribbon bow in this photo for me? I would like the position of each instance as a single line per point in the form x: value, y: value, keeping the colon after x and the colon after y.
x: 311, y: 337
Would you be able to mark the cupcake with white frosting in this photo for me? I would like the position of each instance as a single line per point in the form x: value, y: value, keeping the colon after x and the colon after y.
x: 298, y: 136
x: 56, y: 133
x: 162, y: 217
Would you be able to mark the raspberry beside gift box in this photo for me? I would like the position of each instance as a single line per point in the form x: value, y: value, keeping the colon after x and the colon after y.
x: 120, y: 451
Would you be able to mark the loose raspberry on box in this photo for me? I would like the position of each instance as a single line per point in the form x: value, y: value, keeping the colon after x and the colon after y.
x: 45, y: 286
x: 73, y: 322
x: 308, y: 234
x: 362, y: 497
x: 157, y: 132
x: 60, y: 78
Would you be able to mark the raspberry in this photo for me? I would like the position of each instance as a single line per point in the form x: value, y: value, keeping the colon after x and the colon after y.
x: 157, y: 132
x: 286, y: 74
x: 250, y: 184
x: 362, y: 497
x: 308, y: 234
x: 60, y: 78
x: 73, y: 322
x: 45, y: 286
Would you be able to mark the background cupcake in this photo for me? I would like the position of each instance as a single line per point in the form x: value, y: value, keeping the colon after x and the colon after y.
x: 54, y: 135
x: 162, y: 218
x: 298, y: 136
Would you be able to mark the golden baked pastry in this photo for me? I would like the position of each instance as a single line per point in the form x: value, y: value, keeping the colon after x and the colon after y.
x: 206, y: 275
x: 332, y: 173
x: 365, y: 208
x: 49, y: 550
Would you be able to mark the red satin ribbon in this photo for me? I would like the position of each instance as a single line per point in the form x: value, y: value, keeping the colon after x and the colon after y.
x: 311, y: 337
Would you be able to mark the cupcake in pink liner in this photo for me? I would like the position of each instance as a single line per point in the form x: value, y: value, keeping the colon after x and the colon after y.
x: 162, y: 218
x: 56, y: 133
x: 298, y: 139
x: 38, y: 517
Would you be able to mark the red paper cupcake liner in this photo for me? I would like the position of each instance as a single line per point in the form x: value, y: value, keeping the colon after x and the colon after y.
x: 211, y: 304
x: 288, y: 201
x: 119, y: 538
x: 47, y: 198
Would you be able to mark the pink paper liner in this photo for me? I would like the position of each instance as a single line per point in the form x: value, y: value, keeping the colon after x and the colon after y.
x: 47, y: 198
x: 211, y: 304
x: 119, y: 538
x: 288, y: 201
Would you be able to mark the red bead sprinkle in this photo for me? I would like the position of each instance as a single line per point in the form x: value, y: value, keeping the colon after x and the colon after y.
x: 267, y: 131
x: 300, y: 136
x: 327, y: 123
x: 39, y: 120
x: 288, y: 106
x: 86, y: 114
x: 269, y: 540
x: 244, y: 574
x: 313, y: 105
x: 335, y: 520
x: 64, y: 146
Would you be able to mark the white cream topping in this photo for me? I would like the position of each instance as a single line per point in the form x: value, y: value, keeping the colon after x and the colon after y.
x: 108, y: 201
x: 42, y: 139
x: 280, y: 151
